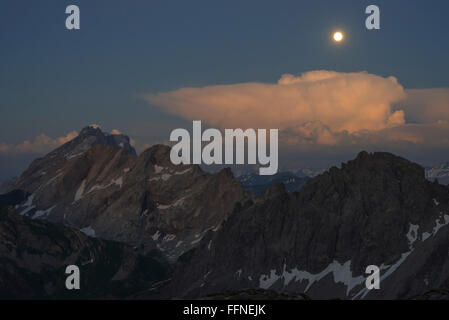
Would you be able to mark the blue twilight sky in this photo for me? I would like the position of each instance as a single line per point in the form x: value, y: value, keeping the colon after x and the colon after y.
x: 54, y: 81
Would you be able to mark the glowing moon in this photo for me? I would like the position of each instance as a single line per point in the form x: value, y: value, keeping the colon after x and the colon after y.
x: 338, y: 36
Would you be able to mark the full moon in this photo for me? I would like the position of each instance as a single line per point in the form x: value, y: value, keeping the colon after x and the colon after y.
x: 338, y: 36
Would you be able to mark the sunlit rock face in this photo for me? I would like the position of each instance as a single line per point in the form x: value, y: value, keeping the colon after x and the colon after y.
x: 97, y: 184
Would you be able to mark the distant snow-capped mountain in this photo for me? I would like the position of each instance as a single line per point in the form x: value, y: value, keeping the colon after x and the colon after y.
x: 439, y: 172
x: 308, y: 173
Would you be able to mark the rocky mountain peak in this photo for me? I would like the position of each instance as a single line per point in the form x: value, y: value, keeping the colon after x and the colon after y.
x: 376, y: 209
x: 93, y: 183
x: 44, y: 168
x: 381, y: 161
x: 93, y: 134
x: 383, y: 170
x: 90, y: 130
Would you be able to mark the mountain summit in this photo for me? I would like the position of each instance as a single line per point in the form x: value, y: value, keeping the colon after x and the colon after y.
x: 96, y: 183
x: 89, y: 137
x: 378, y: 209
x: 375, y: 210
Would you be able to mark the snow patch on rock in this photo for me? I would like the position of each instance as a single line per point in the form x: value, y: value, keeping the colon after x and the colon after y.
x: 441, y: 221
x: 412, y: 234
x: 158, y: 169
x: 118, y: 182
x: 88, y: 231
x: 71, y: 156
x: 177, y: 203
x: 196, y: 241
x: 156, y: 236
x: 183, y: 171
x: 390, y: 269
x: 169, y: 237
x: 52, y: 180
x: 79, y: 193
x: 165, y: 176
x: 28, y: 205
x: 341, y: 273
x: 42, y: 213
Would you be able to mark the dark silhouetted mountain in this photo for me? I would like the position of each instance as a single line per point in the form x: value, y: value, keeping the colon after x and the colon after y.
x: 376, y: 210
x: 34, y: 256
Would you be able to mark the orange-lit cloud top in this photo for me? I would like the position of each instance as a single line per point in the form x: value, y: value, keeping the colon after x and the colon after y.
x: 341, y: 102
x: 427, y: 105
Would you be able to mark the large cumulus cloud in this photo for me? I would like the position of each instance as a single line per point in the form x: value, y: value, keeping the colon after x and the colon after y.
x: 427, y: 105
x: 341, y: 102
